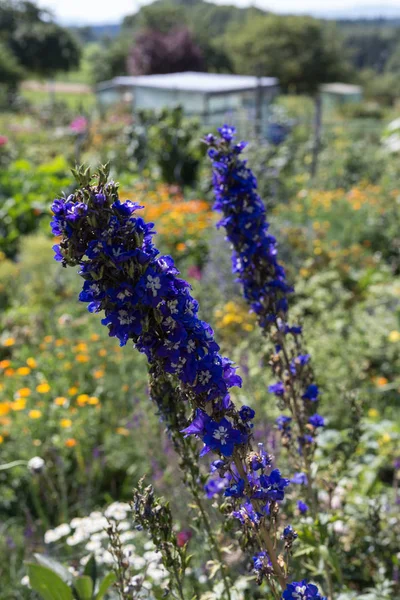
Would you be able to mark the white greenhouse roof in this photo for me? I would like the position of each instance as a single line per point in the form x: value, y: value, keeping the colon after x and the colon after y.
x: 341, y: 88
x: 207, y: 83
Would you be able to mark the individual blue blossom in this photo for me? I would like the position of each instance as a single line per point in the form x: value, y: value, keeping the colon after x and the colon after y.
x: 215, y: 486
x: 221, y: 437
x: 236, y: 490
x: 289, y: 534
x: 260, y: 460
x: 246, y: 414
x: 262, y: 562
x: 283, y: 422
x: 272, y: 487
x: 277, y: 388
x: 302, y: 506
x: 311, y: 393
x: 299, y: 479
x: 316, y: 420
x: 301, y: 590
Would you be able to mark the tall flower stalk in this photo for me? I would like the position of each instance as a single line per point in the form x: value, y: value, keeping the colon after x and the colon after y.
x: 145, y: 301
x: 265, y: 287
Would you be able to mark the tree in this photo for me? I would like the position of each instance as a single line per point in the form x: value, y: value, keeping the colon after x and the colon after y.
x: 45, y: 48
x: 156, y: 52
x: 38, y: 45
x: 300, y: 51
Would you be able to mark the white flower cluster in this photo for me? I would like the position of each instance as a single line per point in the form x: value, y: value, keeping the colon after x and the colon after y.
x: 91, y: 532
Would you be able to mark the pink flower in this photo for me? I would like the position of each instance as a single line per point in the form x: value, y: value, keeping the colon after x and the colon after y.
x: 183, y: 537
x: 79, y: 125
x: 3, y: 140
x: 195, y: 272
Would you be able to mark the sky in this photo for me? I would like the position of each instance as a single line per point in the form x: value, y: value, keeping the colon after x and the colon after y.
x: 103, y: 11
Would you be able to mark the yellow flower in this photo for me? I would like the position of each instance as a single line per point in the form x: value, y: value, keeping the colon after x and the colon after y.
x: 9, y: 342
x: 1, y: 439
x: 73, y: 390
x: 81, y: 347
x: 82, y: 399
x: 385, y: 439
x: 59, y: 343
x: 125, y: 387
x: 93, y: 400
x: 102, y: 352
x: 65, y: 423
x: 43, y: 388
x: 4, y: 408
x: 70, y: 442
x: 394, y: 336
x: 23, y: 392
x: 82, y: 358
x: 98, y: 374
x: 60, y: 401
x: 34, y: 414
x: 122, y: 431
x: 31, y: 362
x: 94, y: 337
x: 23, y: 371
x: 373, y: 413
x: 48, y: 339
x: 18, y: 405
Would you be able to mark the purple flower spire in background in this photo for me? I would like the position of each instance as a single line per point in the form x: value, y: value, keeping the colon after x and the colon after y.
x: 265, y: 287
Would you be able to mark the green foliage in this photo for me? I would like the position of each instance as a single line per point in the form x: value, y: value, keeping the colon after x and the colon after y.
x: 167, y: 141
x: 53, y: 581
x: 300, y: 51
x: 24, y: 192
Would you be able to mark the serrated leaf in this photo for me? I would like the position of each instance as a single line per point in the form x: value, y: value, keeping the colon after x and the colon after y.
x: 84, y: 587
x: 47, y: 583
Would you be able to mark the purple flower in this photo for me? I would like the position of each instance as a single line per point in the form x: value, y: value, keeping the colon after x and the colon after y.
x: 235, y: 490
x: 222, y: 437
x: 272, y: 487
x: 246, y: 413
x: 283, y: 422
x: 301, y: 590
x: 311, y: 393
x: 316, y: 420
x: 302, y: 506
x: 299, y: 478
x: 277, y: 388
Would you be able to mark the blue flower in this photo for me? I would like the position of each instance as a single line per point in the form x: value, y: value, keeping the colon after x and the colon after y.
x: 272, y: 487
x: 246, y: 413
x: 302, y: 506
x: 277, y: 388
x: 235, y: 490
x: 283, y: 422
x: 316, y: 420
x: 289, y: 534
x: 301, y: 590
x: 222, y: 437
x: 262, y: 562
x: 299, y: 478
x: 311, y: 393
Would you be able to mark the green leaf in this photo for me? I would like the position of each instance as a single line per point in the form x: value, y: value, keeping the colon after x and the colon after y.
x: 47, y: 583
x: 55, y: 566
x: 91, y: 569
x: 84, y: 587
x: 105, y: 585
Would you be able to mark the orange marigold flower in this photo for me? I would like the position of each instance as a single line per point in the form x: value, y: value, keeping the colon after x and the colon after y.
x: 23, y: 371
x: 60, y: 401
x: 70, y: 442
x: 23, y: 392
x: 31, y: 362
x: 82, y: 358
